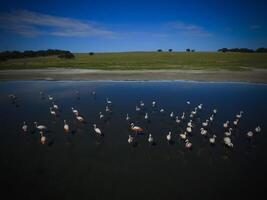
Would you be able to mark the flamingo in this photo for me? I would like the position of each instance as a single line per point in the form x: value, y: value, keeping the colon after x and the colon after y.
x: 108, y: 101
x: 188, y: 102
x: 227, y: 141
x: 130, y: 139
x: 97, y: 130
x: 50, y: 98
x: 136, y: 129
x: 137, y: 108
x: 189, y: 124
x: 212, y: 139
x: 142, y: 104
x: 236, y: 122
x: 161, y: 110
x: 24, y: 127
x: 146, y: 116
x: 43, y: 138
x: 150, y: 139
x: 199, y: 106
x: 178, y: 121
x: 214, y: 111
x: 127, y: 117
x: 55, y: 106
x: 169, y: 136
x: 188, y: 144
x: 107, y: 109
x: 66, y: 126
x: 226, y: 124
x: 206, y: 123
x: 228, y: 133
x: 93, y: 93
x: 250, y: 134
x: 171, y: 115
x: 76, y: 112
x: 258, y: 129
x: 212, y: 118
x: 239, y: 115
x: 153, y: 103
x: 189, y: 129
x: 203, y: 131
x: 52, y: 112
x: 183, y: 115
x: 80, y: 118
x: 183, y: 135
x: 40, y: 127
x: 194, y: 111
x: 101, y: 116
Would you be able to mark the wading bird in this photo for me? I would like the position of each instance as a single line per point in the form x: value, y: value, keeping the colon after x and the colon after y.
x: 130, y: 139
x: 239, y: 115
x: 108, y: 101
x: 80, y: 118
x: 55, y: 106
x: 226, y: 124
x: 42, y: 138
x: 250, y: 134
x: 50, y: 98
x: 188, y: 144
x: 203, y: 131
x: 137, y: 108
x: 75, y: 111
x: 258, y: 129
x: 227, y: 141
x: 97, y: 130
x: 146, y: 116
x: 183, y: 135
x: 40, y: 127
x: 101, y: 116
x: 66, y: 126
x: 24, y: 127
x: 178, y: 121
x: 206, y: 123
x: 212, y: 139
x: 169, y: 136
x: 136, y: 129
x: 52, y: 112
x: 150, y: 139
x: 127, y: 117
x: 229, y: 132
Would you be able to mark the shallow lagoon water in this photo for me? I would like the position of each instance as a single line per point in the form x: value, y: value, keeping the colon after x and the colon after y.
x: 82, y: 165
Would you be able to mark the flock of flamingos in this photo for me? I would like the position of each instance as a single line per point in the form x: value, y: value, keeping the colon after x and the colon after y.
x: 188, y: 119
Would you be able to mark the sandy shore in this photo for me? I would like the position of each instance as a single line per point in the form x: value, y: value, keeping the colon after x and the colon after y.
x: 256, y: 75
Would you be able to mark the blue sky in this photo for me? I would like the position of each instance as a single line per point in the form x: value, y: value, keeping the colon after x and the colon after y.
x: 106, y: 25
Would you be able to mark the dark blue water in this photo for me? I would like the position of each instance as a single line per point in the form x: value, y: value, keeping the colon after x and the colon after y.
x: 83, y: 165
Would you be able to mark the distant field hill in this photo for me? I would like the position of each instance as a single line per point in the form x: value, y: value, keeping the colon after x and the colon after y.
x: 145, y: 60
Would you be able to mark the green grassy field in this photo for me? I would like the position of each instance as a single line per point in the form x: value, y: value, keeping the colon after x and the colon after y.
x: 146, y: 60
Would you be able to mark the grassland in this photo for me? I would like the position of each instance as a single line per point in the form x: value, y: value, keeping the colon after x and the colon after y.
x: 146, y: 61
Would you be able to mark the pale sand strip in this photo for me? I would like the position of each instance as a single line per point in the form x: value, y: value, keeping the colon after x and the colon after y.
x: 256, y: 75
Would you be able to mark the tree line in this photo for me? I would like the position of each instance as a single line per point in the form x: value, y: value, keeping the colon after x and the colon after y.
x: 6, y: 55
x: 244, y: 50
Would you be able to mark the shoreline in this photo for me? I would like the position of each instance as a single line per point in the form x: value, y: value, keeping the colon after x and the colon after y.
x: 254, y: 75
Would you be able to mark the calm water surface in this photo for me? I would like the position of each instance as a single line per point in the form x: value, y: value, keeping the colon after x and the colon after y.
x: 82, y: 165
